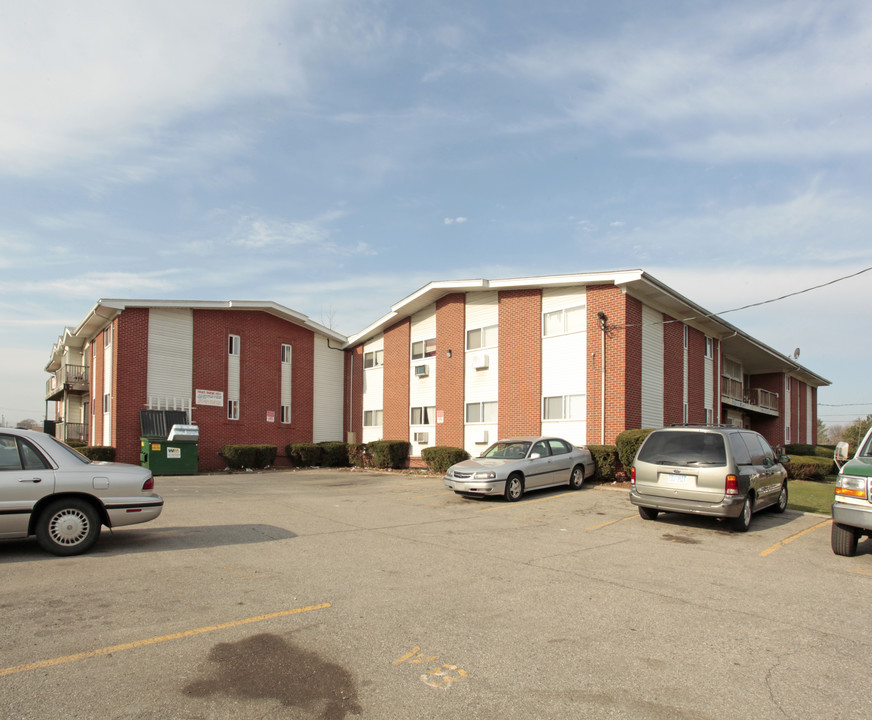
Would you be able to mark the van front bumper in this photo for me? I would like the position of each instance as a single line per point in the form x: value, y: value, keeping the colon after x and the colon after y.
x: 852, y: 516
x: 729, y: 506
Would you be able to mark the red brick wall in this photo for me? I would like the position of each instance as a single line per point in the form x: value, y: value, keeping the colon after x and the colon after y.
x: 772, y: 428
x: 261, y: 337
x: 695, y: 376
x: 396, y: 381
x: 520, y: 362
x: 129, y: 381
x: 450, y: 376
x: 673, y: 371
x: 353, y: 400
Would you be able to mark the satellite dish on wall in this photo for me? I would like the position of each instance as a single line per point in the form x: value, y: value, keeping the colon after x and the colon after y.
x: 796, y: 353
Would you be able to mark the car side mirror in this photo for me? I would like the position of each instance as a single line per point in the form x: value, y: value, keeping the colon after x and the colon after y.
x: 784, y: 459
x: 841, y: 452
x: 535, y: 456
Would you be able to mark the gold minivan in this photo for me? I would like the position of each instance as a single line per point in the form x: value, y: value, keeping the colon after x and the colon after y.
x: 722, y: 471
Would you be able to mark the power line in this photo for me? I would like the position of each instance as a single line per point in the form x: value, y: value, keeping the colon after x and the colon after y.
x: 745, y: 307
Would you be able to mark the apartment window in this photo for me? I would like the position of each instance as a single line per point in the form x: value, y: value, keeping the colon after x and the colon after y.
x: 709, y: 416
x: 423, y: 415
x: 286, y: 354
x: 709, y: 348
x: 233, y: 345
x: 107, y: 403
x: 563, y: 322
x: 372, y: 418
x: 481, y: 412
x: 233, y: 409
x: 685, y: 414
x: 424, y: 349
x: 374, y: 358
x: 479, y: 338
x: 685, y: 337
x: 286, y: 413
x: 563, y: 407
x: 107, y: 336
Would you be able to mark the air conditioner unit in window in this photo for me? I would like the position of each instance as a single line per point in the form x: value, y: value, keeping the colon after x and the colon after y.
x: 480, y: 362
x: 479, y: 437
x: 422, y: 438
x: 422, y: 370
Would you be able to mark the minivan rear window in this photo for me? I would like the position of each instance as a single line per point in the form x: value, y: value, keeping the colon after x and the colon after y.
x: 684, y: 448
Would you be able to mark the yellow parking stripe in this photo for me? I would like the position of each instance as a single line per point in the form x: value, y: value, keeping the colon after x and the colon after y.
x: 506, y: 506
x: 781, y: 543
x: 612, y: 522
x: 154, y: 640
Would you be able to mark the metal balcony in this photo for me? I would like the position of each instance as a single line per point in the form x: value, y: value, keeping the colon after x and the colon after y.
x: 69, y: 379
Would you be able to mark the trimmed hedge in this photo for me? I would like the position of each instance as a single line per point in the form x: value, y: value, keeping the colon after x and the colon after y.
x: 606, y: 459
x: 809, y: 467
x: 358, y: 455
x: 304, y: 454
x: 75, y: 444
x: 392, y: 454
x: 441, y: 457
x: 238, y: 457
x: 825, y: 451
x: 334, y: 454
x: 98, y: 453
x: 628, y: 443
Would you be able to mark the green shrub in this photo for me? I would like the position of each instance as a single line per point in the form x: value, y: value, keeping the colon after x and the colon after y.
x: 605, y: 458
x: 809, y: 467
x: 390, y: 453
x: 628, y: 443
x: 75, y: 444
x: 238, y: 457
x: 304, y: 454
x: 99, y: 453
x: 441, y: 457
x: 825, y: 451
x: 334, y: 454
x: 358, y: 455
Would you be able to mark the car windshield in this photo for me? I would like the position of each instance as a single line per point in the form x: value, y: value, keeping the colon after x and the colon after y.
x: 866, y: 450
x: 684, y: 448
x: 507, y: 450
x: 57, y: 449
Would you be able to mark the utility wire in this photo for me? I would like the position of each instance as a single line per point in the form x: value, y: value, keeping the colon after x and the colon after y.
x: 745, y: 307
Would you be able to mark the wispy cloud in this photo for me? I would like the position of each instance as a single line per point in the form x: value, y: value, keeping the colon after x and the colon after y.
x: 455, y: 221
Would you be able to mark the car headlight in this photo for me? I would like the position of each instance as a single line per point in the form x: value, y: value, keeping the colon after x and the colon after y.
x: 851, y: 486
x: 485, y: 475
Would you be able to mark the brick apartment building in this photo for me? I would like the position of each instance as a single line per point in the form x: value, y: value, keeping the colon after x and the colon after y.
x: 463, y: 363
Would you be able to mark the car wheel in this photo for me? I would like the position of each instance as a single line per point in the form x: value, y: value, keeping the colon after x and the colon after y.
x: 843, y: 540
x: 576, y: 480
x: 781, y: 505
x: 68, y: 527
x: 514, y: 488
x: 648, y: 513
x: 743, y: 522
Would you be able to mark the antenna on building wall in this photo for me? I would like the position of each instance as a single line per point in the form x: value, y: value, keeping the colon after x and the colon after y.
x: 795, y: 354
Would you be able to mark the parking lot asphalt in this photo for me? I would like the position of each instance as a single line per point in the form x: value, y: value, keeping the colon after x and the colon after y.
x: 337, y: 594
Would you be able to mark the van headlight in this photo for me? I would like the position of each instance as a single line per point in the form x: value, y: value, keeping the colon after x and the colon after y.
x: 852, y: 486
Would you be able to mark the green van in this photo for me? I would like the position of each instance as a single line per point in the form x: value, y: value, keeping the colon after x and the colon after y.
x: 852, y: 508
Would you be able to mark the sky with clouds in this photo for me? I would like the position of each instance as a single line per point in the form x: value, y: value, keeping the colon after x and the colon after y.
x: 336, y: 155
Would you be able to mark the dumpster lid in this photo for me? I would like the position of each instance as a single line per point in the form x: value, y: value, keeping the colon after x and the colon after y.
x: 157, y: 423
x: 180, y: 432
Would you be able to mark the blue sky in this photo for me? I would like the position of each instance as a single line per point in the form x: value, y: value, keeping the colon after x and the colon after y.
x: 335, y: 156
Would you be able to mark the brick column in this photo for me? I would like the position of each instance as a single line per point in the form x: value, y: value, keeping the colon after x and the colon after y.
x: 450, y: 376
x: 520, y: 362
x: 396, y: 381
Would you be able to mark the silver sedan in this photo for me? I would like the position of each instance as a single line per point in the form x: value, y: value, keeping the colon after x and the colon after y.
x: 49, y: 490
x: 511, y: 467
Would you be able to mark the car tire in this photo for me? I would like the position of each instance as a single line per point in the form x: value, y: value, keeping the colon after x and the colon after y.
x: 743, y: 521
x: 647, y: 513
x: 781, y: 504
x: 843, y: 540
x: 514, y: 488
x: 68, y: 527
x: 576, y: 479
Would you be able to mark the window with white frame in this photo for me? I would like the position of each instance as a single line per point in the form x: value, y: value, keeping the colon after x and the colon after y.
x: 286, y: 413
x: 709, y: 416
x: 107, y: 336
x: 423, y: 349
x: 285, y: 371
x: 423, y: 415
x: 485, y: 337
x: 373, y: 418
x: 233, y: 409
x: 563, y: 322
x: 233, y: 345
x: 563, y: 407
x: 374, y: 358
x: 685, y: 336
x: 685, y: 413
x: 709, y: 347
x: 481, y: 412
x: 107, y: 403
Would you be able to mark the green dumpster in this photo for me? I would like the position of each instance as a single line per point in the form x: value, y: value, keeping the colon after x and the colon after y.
x: 176, y: 452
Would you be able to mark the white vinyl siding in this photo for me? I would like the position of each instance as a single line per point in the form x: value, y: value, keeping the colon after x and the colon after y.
x: 170, y: 358
x: 652, y: 368
x: 286, y: 371
x: 481, y: 385
x: 107, y: 387
x: 328, y: 391
x: 564, y: 363
x: 373, y: 391
x: 422, y: 390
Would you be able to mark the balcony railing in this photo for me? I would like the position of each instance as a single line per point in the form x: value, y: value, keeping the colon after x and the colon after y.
x: 71, y: 378
x: 71, y: 431
x: 735, y: 393
x: 764, y: 398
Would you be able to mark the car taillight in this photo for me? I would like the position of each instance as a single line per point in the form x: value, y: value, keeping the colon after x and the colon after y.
x: 633, y: 476
x: 148, y: 484
x: 732, y: 485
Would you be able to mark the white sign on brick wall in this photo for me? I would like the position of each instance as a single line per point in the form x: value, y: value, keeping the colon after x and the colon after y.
x: 209, y: 397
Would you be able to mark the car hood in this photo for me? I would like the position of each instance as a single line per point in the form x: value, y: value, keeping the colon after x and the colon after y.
x: 485, y: 464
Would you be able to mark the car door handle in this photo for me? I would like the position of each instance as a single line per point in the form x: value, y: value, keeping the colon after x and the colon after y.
x: 33, y: 480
